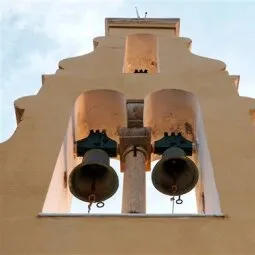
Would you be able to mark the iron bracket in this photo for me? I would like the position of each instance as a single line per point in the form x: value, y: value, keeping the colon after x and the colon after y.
x: 173, y: 140
x: 97, y: 140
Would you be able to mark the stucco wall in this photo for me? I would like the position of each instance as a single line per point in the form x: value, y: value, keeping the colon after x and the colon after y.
x: 28, y: 158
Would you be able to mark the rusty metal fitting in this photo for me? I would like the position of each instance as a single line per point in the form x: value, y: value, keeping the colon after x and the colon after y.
x: 135, y: 139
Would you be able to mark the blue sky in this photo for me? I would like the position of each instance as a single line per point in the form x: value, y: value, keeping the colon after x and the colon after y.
x: 36, y: 34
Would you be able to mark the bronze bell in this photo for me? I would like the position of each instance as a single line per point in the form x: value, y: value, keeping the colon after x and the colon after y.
x: 94, y: 176
x: 175, y: 169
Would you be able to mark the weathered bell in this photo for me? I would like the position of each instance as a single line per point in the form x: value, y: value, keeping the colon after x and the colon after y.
x: 175, y: 169
x: 94, y: 176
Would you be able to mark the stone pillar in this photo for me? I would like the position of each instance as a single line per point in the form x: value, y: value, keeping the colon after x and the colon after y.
x: 134, y: 186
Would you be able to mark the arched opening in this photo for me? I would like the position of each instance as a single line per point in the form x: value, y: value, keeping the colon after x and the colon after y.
x: 103, y: 110
x: 178, y: 111
x: 165, y: 111
x: 141, y: 54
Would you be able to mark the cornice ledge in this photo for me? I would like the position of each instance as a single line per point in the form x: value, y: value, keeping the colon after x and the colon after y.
x: 150, y: 23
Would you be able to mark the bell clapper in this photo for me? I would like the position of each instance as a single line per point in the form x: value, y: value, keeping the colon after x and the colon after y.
x: 92, y: 196
x: 174, y: 189
x: 179, y: 201
x: 92, y: 199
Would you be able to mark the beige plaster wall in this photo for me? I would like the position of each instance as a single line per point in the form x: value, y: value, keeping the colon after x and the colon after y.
x: 58, y: 198
x: 28, y: 158
x: 250, y: 104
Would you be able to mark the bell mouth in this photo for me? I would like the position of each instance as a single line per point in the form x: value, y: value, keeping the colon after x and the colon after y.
x: 93, y: 171
x: 179, y: 171
x: 175, y: 167
x: 83, y: 177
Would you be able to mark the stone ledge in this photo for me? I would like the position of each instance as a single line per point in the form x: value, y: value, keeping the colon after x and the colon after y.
x: 150, y: 23
x: 179, y: 216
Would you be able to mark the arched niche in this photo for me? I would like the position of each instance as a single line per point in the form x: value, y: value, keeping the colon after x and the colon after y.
x: 174, y: 110
x: 98, y: 110
x: 170, y: 110
x: 141, y: 53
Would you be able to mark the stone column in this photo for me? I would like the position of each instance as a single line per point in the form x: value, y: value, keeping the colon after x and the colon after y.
x: 134, y: 186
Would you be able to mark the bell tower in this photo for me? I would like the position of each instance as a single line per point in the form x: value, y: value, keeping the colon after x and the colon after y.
x: 140, y: 96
